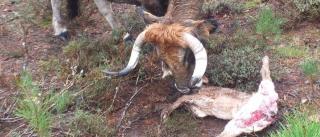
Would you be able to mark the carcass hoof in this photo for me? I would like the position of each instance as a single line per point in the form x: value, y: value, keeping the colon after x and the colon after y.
x: 164, y: 115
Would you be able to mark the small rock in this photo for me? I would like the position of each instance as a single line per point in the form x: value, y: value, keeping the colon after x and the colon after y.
x: 7, y: 10
x: 303, y: 100
x: 297, y: 41
x: 282, y: 45
x: 307, y: 82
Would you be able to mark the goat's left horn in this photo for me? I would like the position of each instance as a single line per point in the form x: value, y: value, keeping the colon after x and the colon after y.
x: 134, y: 58
x: 200, y: 55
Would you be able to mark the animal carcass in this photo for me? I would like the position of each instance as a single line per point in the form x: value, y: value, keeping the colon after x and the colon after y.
x: 247, y: 112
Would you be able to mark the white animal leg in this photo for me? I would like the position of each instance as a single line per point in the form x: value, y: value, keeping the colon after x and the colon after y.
x: 105, y: 9
x: 59, y: 28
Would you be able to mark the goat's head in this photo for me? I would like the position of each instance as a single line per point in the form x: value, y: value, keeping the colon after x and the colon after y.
x: 177, y: 38
x: 174, y: 41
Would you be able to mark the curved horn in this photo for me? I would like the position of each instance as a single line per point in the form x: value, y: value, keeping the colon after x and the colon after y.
x: 200, y: 55
x: 134, y: 58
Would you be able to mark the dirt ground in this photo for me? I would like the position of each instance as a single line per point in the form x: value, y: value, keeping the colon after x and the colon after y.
x: 144, y: 113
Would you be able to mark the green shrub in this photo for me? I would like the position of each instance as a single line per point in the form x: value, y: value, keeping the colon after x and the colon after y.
x: 133, y: 22
x: 291, y: 52
x: 87, y: 124
x: 61, y: 101
x: 310, y: 67
x: 309, y: 7
x: 297, y: 125
x: 252, y: 4
x: 88, y: 58
x: 218, y: 6
x: 36, y: 106
x: 237, y: 67
x: 268, y: 25
x: 50, y: 65
x: 36, y: 12
x: 31, y: 106
x: 234, y: 59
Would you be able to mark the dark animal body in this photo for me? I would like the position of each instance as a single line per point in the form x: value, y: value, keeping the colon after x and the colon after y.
x: 156, y: 7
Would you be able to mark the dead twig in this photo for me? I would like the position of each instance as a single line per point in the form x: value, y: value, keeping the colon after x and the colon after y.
x: 25, y: 31
x: 10, y: 120
x: 1, y: 91
x: 9, y: 20
x: 114, y: 98
x: 8, y: 111
x: 8, y: 135
x: 82, y: 90
x: 128, y: 104
x: 291, y: 94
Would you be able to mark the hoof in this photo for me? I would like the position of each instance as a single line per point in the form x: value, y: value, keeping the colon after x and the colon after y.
x: 164, y: 115
x: 64, y: 36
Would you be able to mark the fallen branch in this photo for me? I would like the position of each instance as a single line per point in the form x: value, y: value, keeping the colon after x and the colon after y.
x: 25, y: 32
x: 9, y: 134
x: 8, y: 110
x: 11, y: 120
x: 114, y: 98
x: 128, y: 104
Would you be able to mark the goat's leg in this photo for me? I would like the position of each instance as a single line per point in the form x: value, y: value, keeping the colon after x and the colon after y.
x: 147, y: 17
x: 105, y: 9
x: 59, y: 28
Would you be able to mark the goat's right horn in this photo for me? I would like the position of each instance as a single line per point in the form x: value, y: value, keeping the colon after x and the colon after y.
x: 200, y: 55
x: 134, y: 58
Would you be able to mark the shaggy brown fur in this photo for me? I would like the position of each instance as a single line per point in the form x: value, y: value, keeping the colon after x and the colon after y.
x: 181, y: 10
x: 166, y: 35
x: 171, y: 48
x: 188, y: 14
x: 181, y: 16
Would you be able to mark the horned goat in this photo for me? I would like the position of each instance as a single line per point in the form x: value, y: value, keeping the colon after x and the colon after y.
x: 176, y: 37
